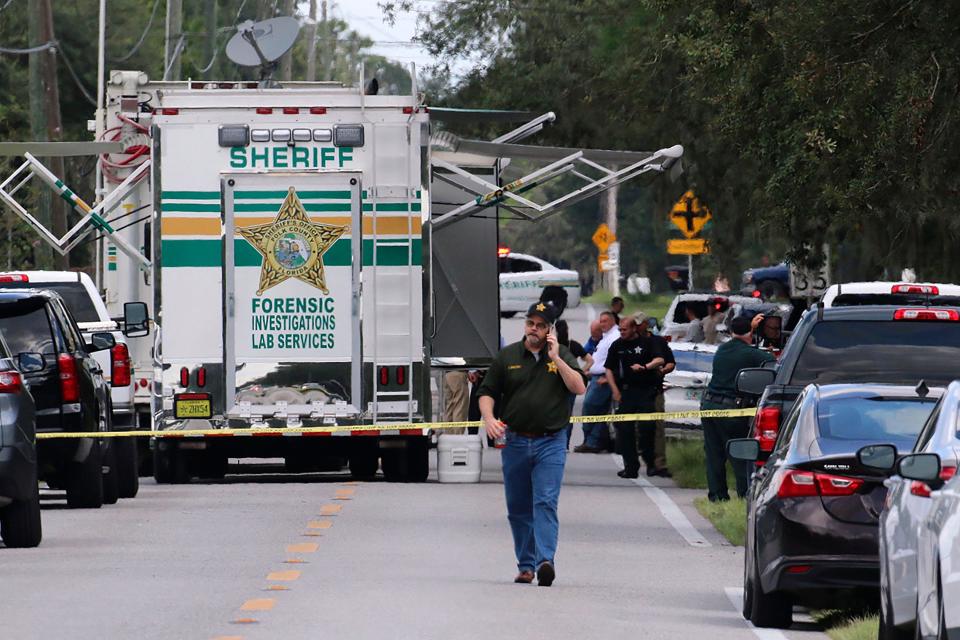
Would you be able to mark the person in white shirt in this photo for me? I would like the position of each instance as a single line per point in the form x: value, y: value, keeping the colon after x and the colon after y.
x: 598, y: 399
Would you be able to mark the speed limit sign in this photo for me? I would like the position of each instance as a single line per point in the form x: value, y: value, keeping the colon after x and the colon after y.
x: 810, y: 283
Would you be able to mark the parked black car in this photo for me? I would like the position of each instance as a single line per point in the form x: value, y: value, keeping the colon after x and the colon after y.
x: 19, y: 492
x: 883, y: 344
x: 813, y: 508
x: 69, y: 393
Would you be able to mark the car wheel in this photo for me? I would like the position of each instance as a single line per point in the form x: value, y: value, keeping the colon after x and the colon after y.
x: 169, y: 464
x: 111, y: 480
x: 128, y: 466
x: 747, y: 587
x: 768, y: 609
x: 20, y: 521
x: 555, y: 296
x: 85, y: 481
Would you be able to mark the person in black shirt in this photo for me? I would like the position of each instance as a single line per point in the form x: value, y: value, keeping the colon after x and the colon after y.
x: 632, y: 365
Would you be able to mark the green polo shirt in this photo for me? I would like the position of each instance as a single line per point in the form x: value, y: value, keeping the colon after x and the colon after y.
x: 532, y: 395
x: 731, y: 357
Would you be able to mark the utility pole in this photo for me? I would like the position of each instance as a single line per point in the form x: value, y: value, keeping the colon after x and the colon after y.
x: 613, y: 276
x: 210, y: 50
x: 312, y: 43
x: 45, y: 120
x: 326, y: 35
x: 173, y: 46
x: 286, y: 63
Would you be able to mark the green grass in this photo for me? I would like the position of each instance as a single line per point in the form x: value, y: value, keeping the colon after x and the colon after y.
x: 654, y: 305
x: 729, y: 518
x: 844, y: 625
x: 687, y: 464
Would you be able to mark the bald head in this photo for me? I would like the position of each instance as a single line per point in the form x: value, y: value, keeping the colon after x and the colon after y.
x: 595, y: 331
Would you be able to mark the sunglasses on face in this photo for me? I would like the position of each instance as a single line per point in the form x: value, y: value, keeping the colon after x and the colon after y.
x: 539, y: 326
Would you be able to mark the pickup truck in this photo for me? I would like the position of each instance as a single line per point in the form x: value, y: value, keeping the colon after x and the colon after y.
x: 889, y: 344
x: 82, y: 299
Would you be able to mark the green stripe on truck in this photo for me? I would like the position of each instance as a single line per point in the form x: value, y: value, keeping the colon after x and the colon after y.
x: 207, y: 253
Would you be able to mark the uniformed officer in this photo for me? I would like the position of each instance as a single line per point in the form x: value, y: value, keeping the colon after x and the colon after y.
x: 732, y: 356
x: 534, y: 379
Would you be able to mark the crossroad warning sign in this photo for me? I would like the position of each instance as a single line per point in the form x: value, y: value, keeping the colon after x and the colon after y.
x: 603, y: 237
x: 689, y: 215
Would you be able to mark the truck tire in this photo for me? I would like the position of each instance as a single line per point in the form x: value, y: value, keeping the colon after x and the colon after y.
x: 364, y: 459
x: 556, y: 296
x: 111, y: 479
x: 409, y: 464
x: 128, y: 469
x: 212, y: 465
x: 145, y: 457
x: 20, y: 522
x: 85, y: 481
x: 169, y: 464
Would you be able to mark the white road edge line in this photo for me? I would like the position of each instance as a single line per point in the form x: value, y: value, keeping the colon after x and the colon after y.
x: 735, y: 595
x: 668, y: 508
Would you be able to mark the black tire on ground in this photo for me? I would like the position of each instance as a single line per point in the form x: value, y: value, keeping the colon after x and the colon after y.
x: 111, y: 479
x: 144, y: 455
x: 507, y: 314
x: 169, y: 464
x: 771, y: 289
x: 769, y: 610
x: 364, y: 459
x: 213, y: 465
x: 128, y: 466
x: 20, y: 521
x: 556, y: 296
x: 85, y: 481
x: 418, y: 459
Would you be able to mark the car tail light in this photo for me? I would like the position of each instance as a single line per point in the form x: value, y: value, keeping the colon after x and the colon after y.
x: 143, y: 383
x: 799, y: 568
x: 264, y: 110
x: 951, y: 315
x: 926, y: 289
x: 922, y: 489
x: 10, y: 382
x: 318, y: 111
x: 408, y: 110
x: 120, y: 372
x: 69, y: 382
x: 15, y: 277
x: 503, y: 252
x: 202, y: 377
x: 291, y: 111
x: 401, y: 376
x: 765, y: 427
x: 184, y: 377
x: 756, y: 293
x: 384, y: 376
x: 166, y: 111
x: 808, y: 484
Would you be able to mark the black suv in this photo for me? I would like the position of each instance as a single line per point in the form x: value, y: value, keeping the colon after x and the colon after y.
x: 19, y: 494
x: 885, y: 344
x: 69, y: 393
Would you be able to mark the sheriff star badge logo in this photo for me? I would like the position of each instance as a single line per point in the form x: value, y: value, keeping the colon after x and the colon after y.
x: 292, y: 246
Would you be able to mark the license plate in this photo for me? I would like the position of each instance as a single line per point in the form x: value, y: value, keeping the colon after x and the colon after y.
x: 192, y: 408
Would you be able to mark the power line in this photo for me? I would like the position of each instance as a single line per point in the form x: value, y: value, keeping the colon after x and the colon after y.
x: 143, y: 36
x: 40, y: 47
x: 76, y: 78
x: 6, y: 4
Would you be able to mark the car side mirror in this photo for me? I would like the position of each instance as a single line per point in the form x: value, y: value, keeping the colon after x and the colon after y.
x: 878, y: 456
x: 136, y: 320
x: 745, y: 449
x: 29, y: 362
x: 100, y: 341
x: 753, y: 382
x: 920, y: 466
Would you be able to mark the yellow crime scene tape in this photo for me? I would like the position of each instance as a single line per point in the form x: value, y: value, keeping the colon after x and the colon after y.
x: 404, y: 426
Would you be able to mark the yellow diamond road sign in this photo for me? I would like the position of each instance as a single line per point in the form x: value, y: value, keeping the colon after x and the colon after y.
x: 603, y: 237
x: 689, y: 215
x: 692, y: 247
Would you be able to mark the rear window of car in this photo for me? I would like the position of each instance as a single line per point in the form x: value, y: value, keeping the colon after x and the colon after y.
x: 897, y: 352
x: 896, y: 421
x: 698, y: 361
x: 26, y: 330
x: 73, y: 293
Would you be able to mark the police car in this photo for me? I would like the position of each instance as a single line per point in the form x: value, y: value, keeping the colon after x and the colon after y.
x: 525, y: 279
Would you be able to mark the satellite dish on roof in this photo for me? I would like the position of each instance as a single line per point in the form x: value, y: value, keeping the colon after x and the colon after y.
x: 262, y: 44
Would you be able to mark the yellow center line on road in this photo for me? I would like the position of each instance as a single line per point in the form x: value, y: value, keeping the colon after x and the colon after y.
x: 295, y: 561
x: 319, y: 524
x: 346, y: 492
x: 228, y: 638
x: 283, y: 576
x: 258, y: 604
x: 330, y: 509
x: 277, y: 587
x: 303, y: 547
x: 244, y: 621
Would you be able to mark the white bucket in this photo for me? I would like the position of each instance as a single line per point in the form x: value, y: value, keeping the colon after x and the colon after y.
x: 459, y: 458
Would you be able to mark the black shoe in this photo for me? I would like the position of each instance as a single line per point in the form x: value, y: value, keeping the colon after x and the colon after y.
x: 545, y: 574
x: 719, y: 498
x: 623, y: 474
x: 651, y: 472
x: 663, y: 473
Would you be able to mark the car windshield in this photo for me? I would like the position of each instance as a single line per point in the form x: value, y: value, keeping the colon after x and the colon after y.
x: 74, y: 294
x: 26, y: 330
x: 844, y: 421
x: 898, y: 352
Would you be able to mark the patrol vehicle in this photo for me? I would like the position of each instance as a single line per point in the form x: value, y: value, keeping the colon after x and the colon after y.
x: 525, y: 279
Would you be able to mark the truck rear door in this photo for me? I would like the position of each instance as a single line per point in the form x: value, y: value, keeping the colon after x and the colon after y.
x: 292, y: 261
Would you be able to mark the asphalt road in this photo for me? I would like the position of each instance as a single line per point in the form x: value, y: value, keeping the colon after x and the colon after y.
x: 316, y: 556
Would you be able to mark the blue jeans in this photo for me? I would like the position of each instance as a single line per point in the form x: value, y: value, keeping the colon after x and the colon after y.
x: 596, y: 402
x: 532, y: 475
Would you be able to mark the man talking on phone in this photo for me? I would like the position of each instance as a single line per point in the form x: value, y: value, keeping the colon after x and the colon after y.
x: 534, y: 379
